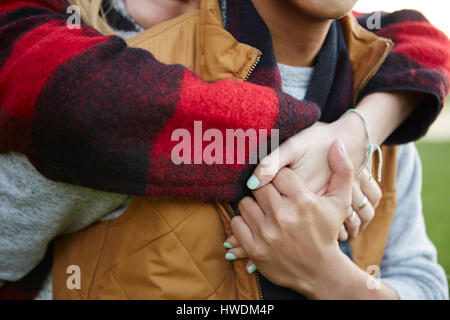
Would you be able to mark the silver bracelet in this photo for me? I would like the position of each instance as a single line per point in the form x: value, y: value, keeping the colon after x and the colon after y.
x: 371, y: 148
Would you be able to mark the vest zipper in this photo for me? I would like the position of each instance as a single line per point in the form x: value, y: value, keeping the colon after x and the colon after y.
x: 258, y: 282
x: 226, y: 205
x: 388, y: 46
x: 229, y: 210
x: 252, y: 68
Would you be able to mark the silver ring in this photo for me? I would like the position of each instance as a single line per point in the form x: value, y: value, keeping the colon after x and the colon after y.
x: 363, y: 204
x: 353, y: 216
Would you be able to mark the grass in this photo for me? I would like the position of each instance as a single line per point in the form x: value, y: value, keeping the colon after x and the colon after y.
x: 436, y: 196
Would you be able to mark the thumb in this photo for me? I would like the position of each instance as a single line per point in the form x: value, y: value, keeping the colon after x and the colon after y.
x: 268, y: 168
x: 342, y: 173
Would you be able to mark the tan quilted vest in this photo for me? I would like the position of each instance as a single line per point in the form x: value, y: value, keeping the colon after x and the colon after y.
x: 172, y: 249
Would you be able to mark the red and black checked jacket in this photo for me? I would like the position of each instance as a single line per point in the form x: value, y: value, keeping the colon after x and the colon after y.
x: 86, y: 109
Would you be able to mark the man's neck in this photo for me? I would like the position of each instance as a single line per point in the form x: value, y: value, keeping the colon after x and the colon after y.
x: 297, y: 38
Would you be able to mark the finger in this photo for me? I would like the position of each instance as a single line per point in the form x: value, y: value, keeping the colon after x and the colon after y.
x: 365, y: 214
x: 268, y: 198
x: 236, y: 253
x: 370, y: 188
x: 243, y: 233
x: 267, y: 169
x: 250, y: 267
x: 352, y: 225
x: 340, y: 186
x: 231, y: 242
x: 288, y: 183
x: 252, y: 214
x: 343, y: 235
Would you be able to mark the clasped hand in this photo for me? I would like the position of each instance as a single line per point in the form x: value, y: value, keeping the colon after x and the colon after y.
x: 289, y: 232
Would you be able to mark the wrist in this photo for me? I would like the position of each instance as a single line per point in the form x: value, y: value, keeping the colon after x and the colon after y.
x: 386, y: 111
x: 325, y: 275
x: 350, y: 128
x: 344, y: 280
x: 330, y: 279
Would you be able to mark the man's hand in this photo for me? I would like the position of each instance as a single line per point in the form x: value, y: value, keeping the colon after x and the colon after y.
x: 362, y: 187
x: 289, y: 232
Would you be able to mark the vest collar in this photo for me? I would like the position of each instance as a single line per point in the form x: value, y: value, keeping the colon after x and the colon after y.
x: 221, y: 54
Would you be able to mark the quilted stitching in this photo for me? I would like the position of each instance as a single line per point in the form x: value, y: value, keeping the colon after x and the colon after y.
x: 185, y: 249
x: 219, y: 287
x: 131, y: 254
x: 172, y: 232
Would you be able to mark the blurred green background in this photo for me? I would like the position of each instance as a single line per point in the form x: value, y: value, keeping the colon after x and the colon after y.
x: 435, y: 154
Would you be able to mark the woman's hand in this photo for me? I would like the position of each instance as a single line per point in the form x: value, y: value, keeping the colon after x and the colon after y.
x: 289, y: 232
x: 306, y: 152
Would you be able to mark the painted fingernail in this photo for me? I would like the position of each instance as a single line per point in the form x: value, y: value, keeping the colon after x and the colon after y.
x: 251, y: 268
x: 253, y: 183
x: 227, y: 245
x: 230, y: 257
x: 342, y: 148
